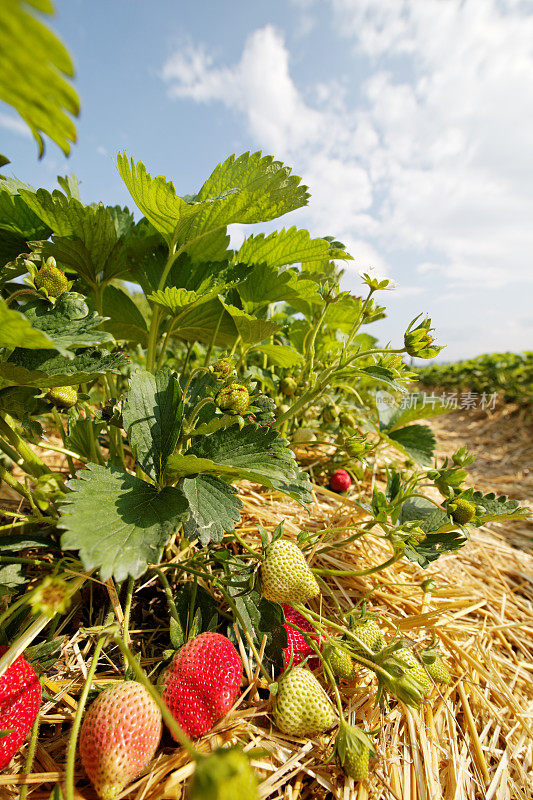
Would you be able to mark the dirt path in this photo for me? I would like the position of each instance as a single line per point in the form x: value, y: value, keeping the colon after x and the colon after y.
x: 502, y: 441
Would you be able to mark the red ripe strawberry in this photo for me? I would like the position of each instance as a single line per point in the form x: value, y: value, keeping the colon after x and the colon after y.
x: 297, y: 644
x: 20, y: 700
x: 202, y: 682
x: 340, y: 481
x: 119, y: 736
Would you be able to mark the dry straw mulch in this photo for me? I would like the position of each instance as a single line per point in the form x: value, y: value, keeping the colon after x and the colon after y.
x: 473, y: 739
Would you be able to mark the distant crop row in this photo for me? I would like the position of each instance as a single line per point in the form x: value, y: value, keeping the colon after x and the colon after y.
x: 510, y: 375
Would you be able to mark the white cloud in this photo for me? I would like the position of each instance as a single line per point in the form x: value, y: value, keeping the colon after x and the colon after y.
x: 434, y: 162
x: 15, y: 125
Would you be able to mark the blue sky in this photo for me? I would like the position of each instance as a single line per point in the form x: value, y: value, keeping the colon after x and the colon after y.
x: 410, y: 120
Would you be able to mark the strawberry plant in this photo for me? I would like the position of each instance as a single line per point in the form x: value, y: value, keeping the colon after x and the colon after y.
x: 219, y: 366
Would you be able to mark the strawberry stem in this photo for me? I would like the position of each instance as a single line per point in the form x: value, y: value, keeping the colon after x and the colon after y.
x: 71, y: 753
x: 177, y: 732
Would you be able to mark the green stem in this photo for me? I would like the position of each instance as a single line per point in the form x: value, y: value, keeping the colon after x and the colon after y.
x: 316, y: 622
x: 13, y: 455
x: 243, y: 544
x: 12, y: 608
x: 188, y: 423
x: 173, y: 611
x: 213, y: 338
x: 165, y: 344
x: 152, y: 339
x: 312, y: 341
x: 156, y: 314
x: 348, y: 573
x: 187, y: 357
x: 21, y: 292
x: 235, y: 343
x: 359, y: 321
x: 230, y: 601
x: 8, y: 478
x: 96, y: 453
x: 71, y: 754
x: 169, y: 720
x: 127, y: 612
x: 98, y: 289
x: 33, y: 465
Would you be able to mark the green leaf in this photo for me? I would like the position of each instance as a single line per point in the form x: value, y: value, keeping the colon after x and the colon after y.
x: 498, y: 508
x: 251, y: 453
x: 281, y: 355
x: 45, y: 369
x: 416, y: 441
x: 21, y: 400
x: 17, y: 330
x: 174, y: 300
x: 10, y: 577
x: 84, y: 236
x: 18, y: 218
x: 265, y: 285
x: 44, y: 655
x: 248, y: 189
x: 33, y: 67
x: 156, y: 198
x: 57, y: 793
x: 69, y: 323
x: 118, y: 523
x: 16, y: 542
x: 125, y: 323
x: 81, y: 436
x: 249, y: 328
x: 204, y: 610
x: 214, y: 506
x: 70, y: 185
x: 152, y: 418
x: 380, y: 375
x: 442, y: 533
x: 411, y: 408
x: 199, y: 321
x: 286, y: 247
x: 262, y: 618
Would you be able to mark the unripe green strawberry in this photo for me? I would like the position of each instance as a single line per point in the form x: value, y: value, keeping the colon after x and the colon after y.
x: 119, y: 736
x: 353, y: 749
x: 288, y: 387
x: 356, y: 764
x: 63, y: 396
x: 330, y: 413
x: 225, y: 774
x: 462, y: 511
x: 438, y: 670
x: 302, y: 706
x: 233, y: 399
x: 368, y: 636
x: 340, y: 662
x: 222, y: 369
x: 417, y: 341
x: 408, y: 659
x: 346, y: 420
x: 285, y: 575
x: 51, y: 278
